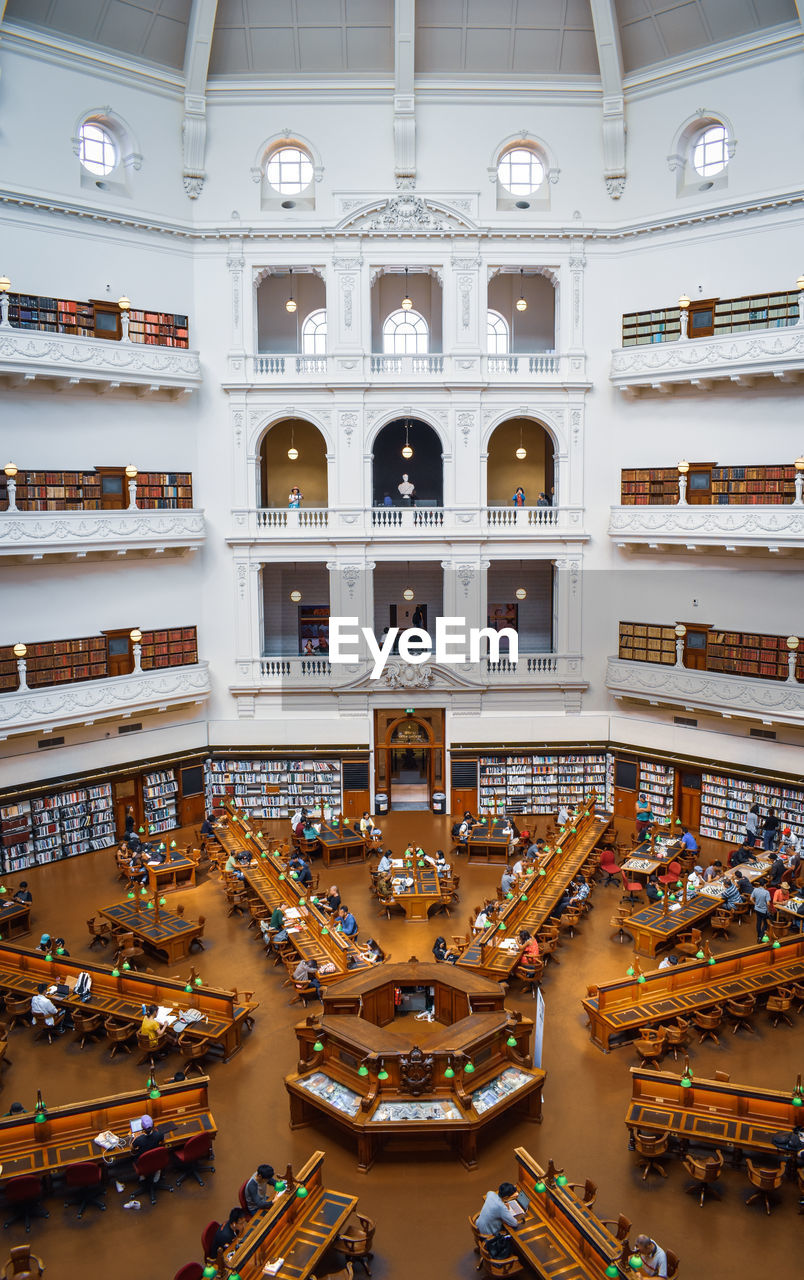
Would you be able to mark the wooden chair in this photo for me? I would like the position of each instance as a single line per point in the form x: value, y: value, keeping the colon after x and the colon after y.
x: 120, y: 1035
x: 45, y: 1030
x: 88, y: 1026
x: 586, y: 1192
x: 678, y: 1034
x: 740, y: 913
x: 779, y: 1004
x: 498, y: 1267
x: 346, y: 1273
x: 766, y: 1181
x: 741, y: 1012
x: 4, y: 1061
x: 721, y: 922
x: 651, y: 1045
x: 651, y: 1147
x: 22, y: 1264
x: 673, y: 1264
x: 478, y: 1237
x: 798, y: 994
x: 530, y: 973
x: 619, y: 1226
x: 193, y: 1052
x: 237, y: 900
x: 618, y: 922
x: 99, y: 933
x: 706, y: 1173
x: 570, y: 920
x: 150, y: 1052
x: 389, y: 904
x: 18, y: 1010
x: 779, y: 930
x: 707, y: 1021
x: 689, y: 944
x: 197, y: 941
x: 356, y: 1240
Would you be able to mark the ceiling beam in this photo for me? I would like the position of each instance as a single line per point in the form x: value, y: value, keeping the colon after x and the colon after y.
x: 610, y: 61
x: 404, y: 99
x: 196, y: 66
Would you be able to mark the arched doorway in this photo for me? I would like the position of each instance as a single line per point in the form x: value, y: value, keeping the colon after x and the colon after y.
x: 424, y: 467
x: 281, y: 471
x: 505, y: 472
x: 409, y: 756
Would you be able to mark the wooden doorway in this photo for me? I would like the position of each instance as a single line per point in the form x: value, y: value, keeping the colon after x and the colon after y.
x: 409, y: 756
x: 127, y: 792
x: 625, y: 788
x: 119, y: 657
x: 689, y: 798
x: 695, y: 642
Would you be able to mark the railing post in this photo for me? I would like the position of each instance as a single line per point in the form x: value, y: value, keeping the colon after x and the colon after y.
x: 20, y: 651
x: 680, y: 631
x: 11, y: 482
x: 798, y: 480
x: 792, y: 654
x: 131, y: 476
x: 683, y: 468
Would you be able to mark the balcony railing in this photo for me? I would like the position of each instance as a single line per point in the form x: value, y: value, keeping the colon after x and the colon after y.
x: 285, y: 524
x: 531, y: 369
x: 87, y: 701
x: 773, y: 528
x: 28, y: 355
x: 32, y: 535
x: 737, y: 357
x: 721, y: 694
x: 533, y: 671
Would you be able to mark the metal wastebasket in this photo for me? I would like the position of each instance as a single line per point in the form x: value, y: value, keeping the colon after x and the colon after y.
x: 439, y: 802
x: 380, y: 803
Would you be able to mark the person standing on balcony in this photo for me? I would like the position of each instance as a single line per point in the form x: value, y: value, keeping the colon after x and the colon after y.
x: 543, y: 501
x: 519, y: 497
x: 295, y: 498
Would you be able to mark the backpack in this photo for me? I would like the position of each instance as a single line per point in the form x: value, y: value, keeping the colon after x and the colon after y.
x: 83, y: 986
x: 500, y: 1245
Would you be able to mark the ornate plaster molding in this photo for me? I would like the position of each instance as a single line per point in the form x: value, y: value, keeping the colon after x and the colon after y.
x: 696, y: 360
x: 54, y: 355
x: 707, y: 690
x: 39, y: 533
x: 721, y: 525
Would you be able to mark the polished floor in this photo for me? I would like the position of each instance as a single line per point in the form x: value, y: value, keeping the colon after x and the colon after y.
x: 420, y: 1204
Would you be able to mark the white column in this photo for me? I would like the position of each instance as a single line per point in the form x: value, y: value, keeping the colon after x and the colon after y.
x: 241, y: 314
x: 346, y: 308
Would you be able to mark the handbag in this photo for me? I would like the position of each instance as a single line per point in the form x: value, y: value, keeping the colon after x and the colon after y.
x: 500, y: 1245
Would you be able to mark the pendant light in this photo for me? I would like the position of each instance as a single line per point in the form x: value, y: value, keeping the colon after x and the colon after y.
x: 407, y: 301
x: 293, y: 452
x: 521, y: 452
x: 408, y: 593
x: 290, y: 305
x: 407, y: 448
x: 521, y: 304
x: 520, y: 593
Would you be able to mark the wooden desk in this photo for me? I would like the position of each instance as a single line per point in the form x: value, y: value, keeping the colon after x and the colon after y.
x: 487, y: 844
x: 789, y: 909
x: 176, y: 873
x: 298, y: 1230
x: 15, y: 919
x: 531, y: 905
x: 166, y: 934
x: 620, y: 1008
x: 712, y: 1113
x: 559, y: 1235
x: 66, y: 1137
x: 21, y: 971
x: 341, y: 845
x: 427, y: 889
x: 657, y: 927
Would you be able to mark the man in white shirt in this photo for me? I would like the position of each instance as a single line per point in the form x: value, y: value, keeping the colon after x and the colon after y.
x: 563, y: 816
x: 654, y: 1259
x: 695, y: 878
x: 42, y: 1005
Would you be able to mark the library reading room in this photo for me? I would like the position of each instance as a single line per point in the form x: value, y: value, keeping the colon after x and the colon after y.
x: 401, y: 639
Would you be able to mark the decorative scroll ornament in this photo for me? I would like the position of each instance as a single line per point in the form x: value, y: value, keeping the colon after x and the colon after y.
x: 416, y: 1072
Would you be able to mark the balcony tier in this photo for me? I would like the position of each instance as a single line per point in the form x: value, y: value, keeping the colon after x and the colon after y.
x: 702, y: 362
x: 88, y: 701
x: 544, y: 368
x: 774, y: 528
x: 281, y: 524
x: 92, y: 535
x: 771, y: 701
x: 27, y: 356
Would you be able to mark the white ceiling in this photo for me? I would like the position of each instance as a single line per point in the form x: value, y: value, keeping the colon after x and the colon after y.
x: 453, y: 37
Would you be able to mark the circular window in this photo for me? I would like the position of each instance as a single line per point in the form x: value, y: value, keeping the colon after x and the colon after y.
x: 96, y: 150
x: 289, y: 171
x: 520, y: 171
x: 710, y: 153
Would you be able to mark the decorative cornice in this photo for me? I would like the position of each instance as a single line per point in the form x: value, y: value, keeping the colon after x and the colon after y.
x: 707, y: 691
x: 39, y: 533
x: 86, y: 701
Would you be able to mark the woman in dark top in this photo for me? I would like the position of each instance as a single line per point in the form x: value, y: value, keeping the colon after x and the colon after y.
x: 770, y: 830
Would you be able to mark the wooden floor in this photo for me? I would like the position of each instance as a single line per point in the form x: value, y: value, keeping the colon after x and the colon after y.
x: 421, y: 1206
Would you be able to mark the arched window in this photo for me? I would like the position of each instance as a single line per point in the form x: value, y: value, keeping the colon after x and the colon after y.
x: 710, y: 150
x: 701, y: 150
x: 289, y: 171
x: 314, y: 334
x: 498, y: 336
x: 405, y: 333
x: 97, y: 150
x: 520, y: 171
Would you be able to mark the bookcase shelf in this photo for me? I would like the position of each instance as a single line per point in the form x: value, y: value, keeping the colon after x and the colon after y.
x: 641, y: 642
x: 61, y: 824
x: 657, y: 781
x: 729, y: 315
x: 81, y: 490
x: 159, y: 792
x: 726, y: 486
x: 273, y: 788
x: 67, y: 661
x: 539, y: 784
x: 725, y: 801
x: 63, y: 315
x: 176, y: 647
x: 759, y: 656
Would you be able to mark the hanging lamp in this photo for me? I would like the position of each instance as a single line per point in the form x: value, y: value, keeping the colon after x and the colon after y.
x: 293, y: 452
x: 521, y: 452
x: 407, y: 448
x: 407, y: 301
x: 521, y: 304
x: 290, y: 305
x: 408, y: 593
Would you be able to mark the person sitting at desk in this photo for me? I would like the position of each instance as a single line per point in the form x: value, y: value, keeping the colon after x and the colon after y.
x: 469, y: 817
x: 413, y: 851
x: 562, y: 817
x: 367, y: 827
x: 332, y: 900
x: 777, y: 870
x: 307, y: 971
x: 790, y: 842
x: 45, y: 944
x: 298, y: 827
x: 207, y: 826
x: 712, y: 872
x: 150, y: 1027
x: 780, y: 897
x: 148, y: 1138
x: 256, y: 1192
x: 384, y: 884
x: 302, y: 868
x: 231, y: 866
x: 373, y: 951
x: 536, y: 849
x: 669, y: 962
x: 481, y: 920
x: 464, y: 831
x: 440, y: 949
x: 654, y: 1259
x: 277, y: 925
x: 580, y: 892
x: 652, y: 889
x: 695, y: 879
x: 743, y: 884
x: 530, y: 946
x: 23, y: 893
x: 384, y: 865
x: 518, y: 868
x: 226, y: 1235
x: 688, y: 840
x: 561, y: 906
x: 731, y: 894
x: 310, y: 830
x: 508, y: 881
x: 744, y: 853
x: 45, y: 1008
x: 495, y: 1212
x: 347, y: 924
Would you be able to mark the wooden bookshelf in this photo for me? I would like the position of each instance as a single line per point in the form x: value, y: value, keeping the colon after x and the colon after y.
x: 708, y: 484
x: 274, y: 788
x: 176, y: 647
x: 641, y: 642
x: 538, y: 784
x: 96, y: 318
x: 724, y: 315
x: 742, y: 653
x: 85, y: 491
x: 159, y: 791
x: 91, y: 658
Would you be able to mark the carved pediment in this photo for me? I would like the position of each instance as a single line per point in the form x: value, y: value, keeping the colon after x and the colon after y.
x: 406, y: 212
